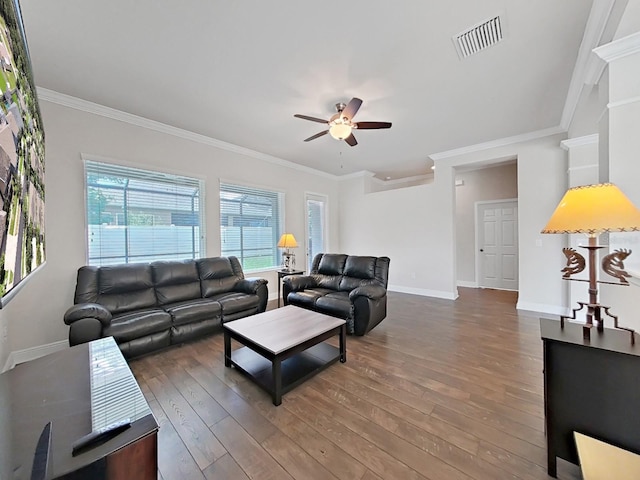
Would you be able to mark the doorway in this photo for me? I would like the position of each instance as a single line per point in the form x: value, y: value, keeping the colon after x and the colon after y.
x: 497, y: 244
x: 316, y: 235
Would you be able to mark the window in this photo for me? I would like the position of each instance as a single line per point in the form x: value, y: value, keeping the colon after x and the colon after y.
x: 138, y: 215
x: 316, y: 235
x: 250, y: 225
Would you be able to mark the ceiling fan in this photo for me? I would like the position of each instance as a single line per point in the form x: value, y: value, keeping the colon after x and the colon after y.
x: 341, y: 125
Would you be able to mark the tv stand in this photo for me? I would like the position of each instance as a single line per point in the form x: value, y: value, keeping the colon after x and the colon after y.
x: 79, y: 390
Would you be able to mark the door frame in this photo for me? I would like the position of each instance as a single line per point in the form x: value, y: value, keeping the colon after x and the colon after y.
x: 325, y: 231
x: 477, y: 242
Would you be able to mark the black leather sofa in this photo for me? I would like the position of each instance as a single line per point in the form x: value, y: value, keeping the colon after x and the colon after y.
x: 349, y: 287
x: 146, y: 307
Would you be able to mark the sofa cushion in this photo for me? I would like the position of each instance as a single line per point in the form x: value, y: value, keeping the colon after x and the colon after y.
x: 191, y: 331
x: 122, y: 288
x: 332, y: 264
x: 127, y: 326
x: 358, y: 271
x: 336, y: 304
x: 307, y: 298
x: 196, y: 310
x: 148, y: 343
x: 87, y: 284
x: 329, y: 282
x: 175, y: 281
x: 360, y: 267
x: 218, y: 274
x: 233, y: 302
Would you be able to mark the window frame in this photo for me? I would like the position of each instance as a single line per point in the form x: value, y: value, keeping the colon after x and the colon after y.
x: 198, y: 243
x: 279, y: 229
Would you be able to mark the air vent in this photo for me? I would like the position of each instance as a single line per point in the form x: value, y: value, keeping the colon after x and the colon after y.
x: 478, y: 38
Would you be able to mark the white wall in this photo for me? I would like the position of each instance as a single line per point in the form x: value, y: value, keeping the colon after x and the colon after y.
x: 412, y: 226
x: 416, y: 226
x: 541, y: 184
x: 630, y: 21
x: 34, y: 316
x: 491, y: 183
x: 583, y: 169
x: 624, y: 167
x: 614, y: 116
x: 4, y: 341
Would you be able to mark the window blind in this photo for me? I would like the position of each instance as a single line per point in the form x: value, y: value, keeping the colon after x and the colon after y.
x: 250, y: 225
x: 136, y: 215
x: 115, y: 394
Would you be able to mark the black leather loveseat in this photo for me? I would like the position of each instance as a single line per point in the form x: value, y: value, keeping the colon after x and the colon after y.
x: 349, y: 287
x: 150, y: 306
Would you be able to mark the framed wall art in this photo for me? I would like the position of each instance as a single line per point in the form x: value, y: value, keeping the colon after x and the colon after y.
x: 22, y: 195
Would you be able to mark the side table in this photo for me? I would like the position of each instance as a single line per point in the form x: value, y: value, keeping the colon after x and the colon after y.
x: 284, y: 273
x: 590, y: 387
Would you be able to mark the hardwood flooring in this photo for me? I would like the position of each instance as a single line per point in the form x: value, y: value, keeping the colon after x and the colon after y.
x: 439, y: 390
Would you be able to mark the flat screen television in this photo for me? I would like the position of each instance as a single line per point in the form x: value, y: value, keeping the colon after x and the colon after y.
x: 22, y: 195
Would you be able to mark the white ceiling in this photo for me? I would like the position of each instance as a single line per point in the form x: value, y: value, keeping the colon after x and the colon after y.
x: 237, y: 71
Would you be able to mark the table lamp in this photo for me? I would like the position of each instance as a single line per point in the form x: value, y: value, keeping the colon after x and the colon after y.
x: 288, y: 241
x: 595, y: 209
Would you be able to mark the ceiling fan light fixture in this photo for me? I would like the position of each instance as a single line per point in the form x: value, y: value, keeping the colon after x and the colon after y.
x: 340, y: 130
x: 341, y: 125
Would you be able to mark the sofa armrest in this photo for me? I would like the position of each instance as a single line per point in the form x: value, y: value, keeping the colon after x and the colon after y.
x: 84, y: 330
x: 254, y: 286
x: 249, y: 285
x: 88, y: 310
x: 295, y: 283
x: 373, y: 292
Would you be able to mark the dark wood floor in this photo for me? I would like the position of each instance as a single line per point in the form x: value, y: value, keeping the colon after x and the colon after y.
x: 439, y: 390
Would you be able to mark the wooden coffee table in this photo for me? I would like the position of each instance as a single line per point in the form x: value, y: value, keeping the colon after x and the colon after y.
x: 283, y: 347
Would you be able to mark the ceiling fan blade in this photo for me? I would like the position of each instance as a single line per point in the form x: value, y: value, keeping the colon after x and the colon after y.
x: 351, y: 140
x: 352, y: 108
x: 317, y: 135
x: 313, y: 119
x: 372, y: 125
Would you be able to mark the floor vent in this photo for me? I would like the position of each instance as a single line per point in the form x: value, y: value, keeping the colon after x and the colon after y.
x: 478, y: 38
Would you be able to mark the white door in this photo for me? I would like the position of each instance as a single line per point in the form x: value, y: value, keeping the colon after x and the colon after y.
x: 497, y: 255
x: 316, y: 235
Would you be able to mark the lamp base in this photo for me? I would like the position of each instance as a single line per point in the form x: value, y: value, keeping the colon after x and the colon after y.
x: 288, y: 261
x: 595, y: 319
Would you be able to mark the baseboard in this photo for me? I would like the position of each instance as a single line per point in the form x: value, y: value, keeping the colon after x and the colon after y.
x: 424, y: 292
x: 542, y: 309
x: 21, y: 356
x: 462, y: 283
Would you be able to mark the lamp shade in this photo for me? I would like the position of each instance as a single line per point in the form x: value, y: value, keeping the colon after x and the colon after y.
x: 287, y: 240
x: 594, y: 209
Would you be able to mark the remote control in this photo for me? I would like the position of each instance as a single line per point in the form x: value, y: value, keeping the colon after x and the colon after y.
x: 99, y: 436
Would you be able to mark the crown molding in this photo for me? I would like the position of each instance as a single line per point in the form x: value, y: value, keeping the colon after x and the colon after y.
x: 570, y: 143
x: 620, y: 48
x: 360, y: 174
x: 398, y: 181
x: 594, y: 70
x: 108, y: 112
x: 586, y: 65
x: 583, y: 167
x: 621, y: 103
x: 501, y: 142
